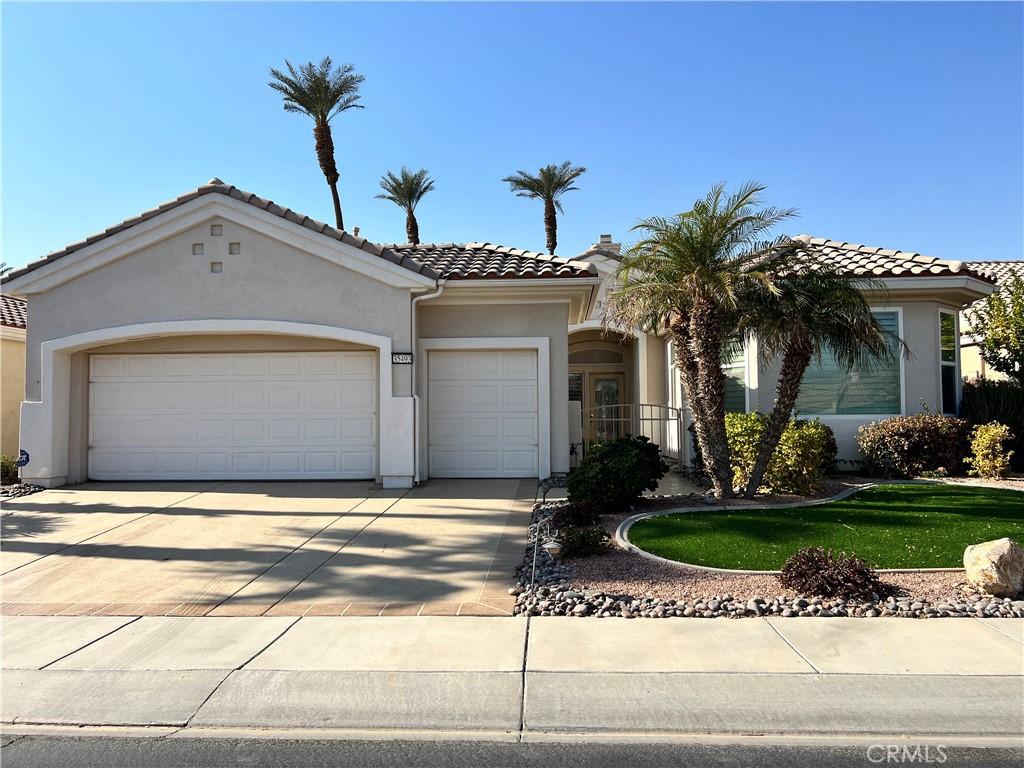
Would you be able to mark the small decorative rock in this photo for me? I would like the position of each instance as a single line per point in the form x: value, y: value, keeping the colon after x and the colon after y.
x: 996, y: 567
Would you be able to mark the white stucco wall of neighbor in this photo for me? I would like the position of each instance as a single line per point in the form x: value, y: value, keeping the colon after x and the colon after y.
x: 236, y: 290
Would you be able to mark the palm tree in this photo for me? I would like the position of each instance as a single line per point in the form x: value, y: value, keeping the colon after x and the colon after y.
x: 684, y: 278
x: 810, y: 312
x: 321, y: 91
x: 550, y: 183
x: 406, y: 191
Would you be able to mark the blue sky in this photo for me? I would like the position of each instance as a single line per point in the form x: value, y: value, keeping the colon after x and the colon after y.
x: 886, y: 124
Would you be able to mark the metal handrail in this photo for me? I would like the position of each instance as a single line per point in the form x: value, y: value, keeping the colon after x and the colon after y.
x: 662, y: 424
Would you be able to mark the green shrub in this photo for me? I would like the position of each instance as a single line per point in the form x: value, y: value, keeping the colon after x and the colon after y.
x: 986, y: 400
x: 573, y: 513
x: 615, y: 473
x: 909, y: 446
x: 819, y: 572
x: 8, y: 471
x: 989, y: 456
x: 805, y: 454
x: 583, y: 542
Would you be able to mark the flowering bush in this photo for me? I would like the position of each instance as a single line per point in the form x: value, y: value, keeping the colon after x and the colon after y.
x: 989, y: 456
x: 908, y: 446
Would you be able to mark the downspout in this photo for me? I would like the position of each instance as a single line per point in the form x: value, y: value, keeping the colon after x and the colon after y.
x: 414, y: 341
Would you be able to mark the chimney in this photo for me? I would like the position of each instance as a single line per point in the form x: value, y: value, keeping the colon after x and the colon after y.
x: 605, y: 243
x: 355, y: 231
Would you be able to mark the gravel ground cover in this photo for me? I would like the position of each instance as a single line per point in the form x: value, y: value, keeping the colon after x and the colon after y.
x: 15, y: 490
x: 623, y: 584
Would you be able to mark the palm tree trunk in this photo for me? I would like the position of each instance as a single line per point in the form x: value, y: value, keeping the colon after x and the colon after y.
x: 325, y: 156
x: 551, y: 225
x: 794, y: 363
x: 688, y: 378
x: 412, y: 228
x: 706, y: 348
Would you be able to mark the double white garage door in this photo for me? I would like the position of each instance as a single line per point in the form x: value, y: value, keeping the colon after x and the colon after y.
x: 224, y: 416
x: 302, y: 415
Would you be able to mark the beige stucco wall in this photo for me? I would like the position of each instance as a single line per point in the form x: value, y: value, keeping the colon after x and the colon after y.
x: 654, y: 385
x: 973, y: 366
x: 550, y: 320
x: 12, y: 391
x: 269, y: 280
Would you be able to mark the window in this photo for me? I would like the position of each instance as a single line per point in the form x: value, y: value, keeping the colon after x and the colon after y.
x: 735, y: 369
x: 576, y: 387
x: 829, y: 390
x: 947, y: 360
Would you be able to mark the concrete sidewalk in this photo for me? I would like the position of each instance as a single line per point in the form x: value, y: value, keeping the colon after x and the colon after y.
x: 513, y: 678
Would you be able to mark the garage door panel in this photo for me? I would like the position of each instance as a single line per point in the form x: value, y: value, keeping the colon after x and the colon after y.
x: 519, y: 365
x: 287, y: 398
x: 222, y: 416
x: 483, y: 408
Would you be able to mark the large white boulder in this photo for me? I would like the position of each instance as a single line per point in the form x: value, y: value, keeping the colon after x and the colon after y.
x: 996, y: 567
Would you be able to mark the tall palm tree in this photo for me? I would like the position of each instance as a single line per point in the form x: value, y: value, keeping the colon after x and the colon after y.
x: 684, y: 278
x: 406, y: 190
x: 321, y: 91
x: 550, y: 183
x: 809, y: 312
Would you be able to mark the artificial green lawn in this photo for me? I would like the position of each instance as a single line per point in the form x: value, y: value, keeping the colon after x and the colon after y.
x: 888, y: 526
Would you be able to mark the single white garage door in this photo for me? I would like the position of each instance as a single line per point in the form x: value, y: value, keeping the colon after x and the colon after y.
x: 483, y: 413
x: 233, y: 416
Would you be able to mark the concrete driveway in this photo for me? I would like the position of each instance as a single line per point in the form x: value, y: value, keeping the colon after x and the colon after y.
x: 277, y: 548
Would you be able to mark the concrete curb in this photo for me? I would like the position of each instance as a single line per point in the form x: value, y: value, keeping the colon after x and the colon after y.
x: 622, y: 532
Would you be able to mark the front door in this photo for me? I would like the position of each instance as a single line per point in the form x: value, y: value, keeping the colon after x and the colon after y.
x: 609, y: 419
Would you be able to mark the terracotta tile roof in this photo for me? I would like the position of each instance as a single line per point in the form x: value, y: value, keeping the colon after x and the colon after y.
x: 487, y: 261
x: 869, y: 261
x: 1000, y: 271
x: 13, y: 311
x: 510, y: 262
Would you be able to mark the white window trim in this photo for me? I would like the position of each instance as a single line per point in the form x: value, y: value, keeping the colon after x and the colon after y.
x: 903, y: 383
x: 958, y: 377
x: 541, y: 345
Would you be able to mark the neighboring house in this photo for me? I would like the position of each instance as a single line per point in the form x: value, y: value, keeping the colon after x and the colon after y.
x: 12, y: 370
x: 223, y: 336
x: 972, y: 365
x: 628, y: 383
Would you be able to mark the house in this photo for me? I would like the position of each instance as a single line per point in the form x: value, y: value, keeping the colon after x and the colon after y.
x: 12, y: 370
x: 629, y: 383
x: 971, y: 363
x: 222, y: 336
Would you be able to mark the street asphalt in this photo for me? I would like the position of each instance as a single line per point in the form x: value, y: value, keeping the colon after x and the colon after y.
x: 125, y: 752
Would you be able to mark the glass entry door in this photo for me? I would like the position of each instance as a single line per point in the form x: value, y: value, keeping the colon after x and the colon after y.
x: 610, y: 418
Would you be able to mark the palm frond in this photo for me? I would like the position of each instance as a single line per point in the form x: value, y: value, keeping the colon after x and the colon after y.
x: 406, y: 189
x: 549, y: 183
x: 319, y: 90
